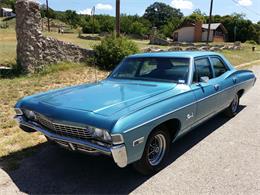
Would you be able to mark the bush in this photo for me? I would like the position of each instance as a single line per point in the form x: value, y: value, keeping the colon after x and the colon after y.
x: 252, y: 42
x: 112, y: 50
x: 138, y: 28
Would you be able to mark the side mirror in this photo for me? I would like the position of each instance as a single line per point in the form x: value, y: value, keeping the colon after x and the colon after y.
x: 204, y: 79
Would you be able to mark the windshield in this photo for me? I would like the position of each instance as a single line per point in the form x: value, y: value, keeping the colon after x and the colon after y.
x: 153, y: 69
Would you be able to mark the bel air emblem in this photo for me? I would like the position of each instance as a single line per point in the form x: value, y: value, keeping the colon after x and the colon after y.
x: 189, y: 116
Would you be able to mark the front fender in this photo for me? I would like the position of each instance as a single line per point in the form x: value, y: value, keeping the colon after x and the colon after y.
x: 139, y: 125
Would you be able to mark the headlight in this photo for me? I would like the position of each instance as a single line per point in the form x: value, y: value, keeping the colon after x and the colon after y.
x: 102, y: 134
x: 18, y: 111
x: 30, y: 115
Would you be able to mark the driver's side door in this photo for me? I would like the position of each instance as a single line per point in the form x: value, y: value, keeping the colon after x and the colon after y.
x: 205, y: 88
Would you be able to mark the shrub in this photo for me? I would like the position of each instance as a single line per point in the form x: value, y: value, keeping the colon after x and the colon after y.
x: 138, y: 28
x: 252, y: 42
x: 112, y: 50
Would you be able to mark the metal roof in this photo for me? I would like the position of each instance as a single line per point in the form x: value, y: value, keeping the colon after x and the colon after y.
x: 213, y: 26
x: 184, y: 54
x: 7, y: 9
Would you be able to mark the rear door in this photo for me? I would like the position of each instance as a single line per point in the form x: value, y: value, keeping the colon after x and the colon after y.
x: 205, y: 92
x: 221, y: 72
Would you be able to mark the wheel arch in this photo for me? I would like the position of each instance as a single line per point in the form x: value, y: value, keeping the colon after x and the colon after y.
x: 172, y: 125
x: 240, y: 93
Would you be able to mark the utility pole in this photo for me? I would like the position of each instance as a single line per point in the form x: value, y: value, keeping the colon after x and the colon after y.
x: 210, y: 18
x: 93, y: 17
x: 118, y: 18
x: 235, y: 33
x: 47, y: 15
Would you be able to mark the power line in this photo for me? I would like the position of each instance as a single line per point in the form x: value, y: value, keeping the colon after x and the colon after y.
x: 253, y: 11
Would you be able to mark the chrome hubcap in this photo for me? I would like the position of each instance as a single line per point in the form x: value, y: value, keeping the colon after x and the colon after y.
x: 234, y: 104
x: 156, y: 149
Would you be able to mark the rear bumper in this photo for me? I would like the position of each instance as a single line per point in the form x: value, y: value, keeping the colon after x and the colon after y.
x: 117, y: 152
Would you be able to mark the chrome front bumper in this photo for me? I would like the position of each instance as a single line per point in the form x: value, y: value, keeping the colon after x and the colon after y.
x: 118, y: 152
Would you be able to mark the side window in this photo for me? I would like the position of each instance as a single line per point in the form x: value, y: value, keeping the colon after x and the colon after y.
x: 202, y: 69
x: 219, y: 67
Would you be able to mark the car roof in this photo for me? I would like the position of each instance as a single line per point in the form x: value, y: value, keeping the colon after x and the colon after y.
x: 183, y: 54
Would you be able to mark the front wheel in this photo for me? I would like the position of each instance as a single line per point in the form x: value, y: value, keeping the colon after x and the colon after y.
x: 155, y: 152
x: 232, y: 110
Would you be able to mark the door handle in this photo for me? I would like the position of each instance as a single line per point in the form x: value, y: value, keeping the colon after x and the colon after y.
x: 216, y: 87
x: 234, y: 80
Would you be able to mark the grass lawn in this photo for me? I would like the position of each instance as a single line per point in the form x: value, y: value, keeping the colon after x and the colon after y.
x: 12, y: 138
x: 8, y: 47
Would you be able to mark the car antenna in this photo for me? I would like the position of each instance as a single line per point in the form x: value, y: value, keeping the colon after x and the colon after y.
x: 95, y: 72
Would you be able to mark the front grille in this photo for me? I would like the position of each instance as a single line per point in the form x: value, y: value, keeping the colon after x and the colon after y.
x: 64, y: 130
x: 75, y: 146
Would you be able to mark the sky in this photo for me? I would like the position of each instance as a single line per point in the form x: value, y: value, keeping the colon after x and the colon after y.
x: 221, y: 7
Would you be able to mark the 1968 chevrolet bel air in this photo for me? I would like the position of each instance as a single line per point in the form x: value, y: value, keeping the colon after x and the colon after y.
x: 146, y: 103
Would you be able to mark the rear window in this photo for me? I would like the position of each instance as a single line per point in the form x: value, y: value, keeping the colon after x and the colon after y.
x: 218, y: 65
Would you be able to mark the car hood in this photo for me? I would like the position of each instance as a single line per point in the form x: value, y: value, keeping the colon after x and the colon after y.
x: 106, y: 97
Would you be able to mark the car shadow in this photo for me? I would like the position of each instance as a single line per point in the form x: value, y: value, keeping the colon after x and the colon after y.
x: 53, y: 170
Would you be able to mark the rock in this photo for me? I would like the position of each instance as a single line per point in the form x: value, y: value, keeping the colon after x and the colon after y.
x: 214, y: 49
x: 175, y: 49
x: 237, y: 47
x: 230, y: 47
x: 153, y: 49
x: 184, y: 44
x: 159, y: 41
x: 191, y: 48
x: 88, y: 37
x: 237, y: 43
x: 33, y: 49
x: 204, y: 48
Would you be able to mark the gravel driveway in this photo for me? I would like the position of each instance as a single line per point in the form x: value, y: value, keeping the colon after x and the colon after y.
x: 220, y: 157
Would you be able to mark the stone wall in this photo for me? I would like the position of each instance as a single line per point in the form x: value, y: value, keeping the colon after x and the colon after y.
x: 35, y: 50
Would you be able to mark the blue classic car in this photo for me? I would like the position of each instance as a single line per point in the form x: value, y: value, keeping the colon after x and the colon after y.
x: 146, y: 103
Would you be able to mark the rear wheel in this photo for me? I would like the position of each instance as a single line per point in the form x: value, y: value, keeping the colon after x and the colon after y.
x: 232, y: 110
x: 155, y: 152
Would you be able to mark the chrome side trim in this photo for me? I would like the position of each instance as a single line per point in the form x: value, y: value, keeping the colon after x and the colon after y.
x: 138, y: 141
x: 195, y: 102
x: 158, y: 117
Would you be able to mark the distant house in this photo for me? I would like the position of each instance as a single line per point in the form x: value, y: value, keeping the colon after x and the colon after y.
x: 6, y: 12
x: 198, y: 32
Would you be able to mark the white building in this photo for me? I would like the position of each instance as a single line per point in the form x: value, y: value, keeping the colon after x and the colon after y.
x: 6, y: 12
x: 198, y: 32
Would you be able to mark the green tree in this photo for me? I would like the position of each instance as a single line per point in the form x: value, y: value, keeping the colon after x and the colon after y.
x: 91, y: 26
x: 125, y: 23
x: 71, y: 18
x: 51, y: 13
x: 170, y: 27
x: 112, y: 50
x: 160, y: 13
x: 8, y: 3
x: 196, y: 15
x: 106, y: 22
x: 139, y: 29
x: 244, y: 29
